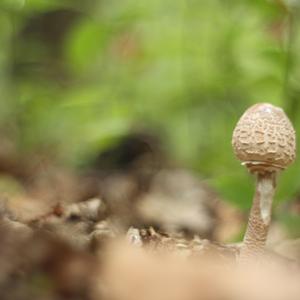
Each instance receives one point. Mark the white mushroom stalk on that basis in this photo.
(264, 140)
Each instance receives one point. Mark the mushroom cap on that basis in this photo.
(264, 139)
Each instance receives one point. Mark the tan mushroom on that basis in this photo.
(264, 140)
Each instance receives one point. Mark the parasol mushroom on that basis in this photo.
(264, 140)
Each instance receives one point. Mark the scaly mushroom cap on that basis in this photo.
(264, 139)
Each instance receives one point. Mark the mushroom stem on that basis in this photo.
(260, 216)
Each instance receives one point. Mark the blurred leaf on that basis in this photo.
(85, 44)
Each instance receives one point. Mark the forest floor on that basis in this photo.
(135, 233)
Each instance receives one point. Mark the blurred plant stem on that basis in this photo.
(14, 119)
(290, 92)
(7, 85)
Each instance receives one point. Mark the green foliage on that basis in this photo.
(77, 76)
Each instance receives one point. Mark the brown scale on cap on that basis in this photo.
(264, 138)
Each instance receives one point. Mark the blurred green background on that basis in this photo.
(75, 76)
